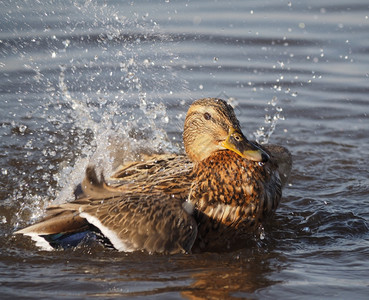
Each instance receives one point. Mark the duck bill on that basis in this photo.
(238, 143)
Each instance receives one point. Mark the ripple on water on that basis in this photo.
(106, 78)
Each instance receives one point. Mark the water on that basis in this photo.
(94, 82)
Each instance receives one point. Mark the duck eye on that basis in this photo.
(237, 137)
(207, 116)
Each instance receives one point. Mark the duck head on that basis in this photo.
(211, 125)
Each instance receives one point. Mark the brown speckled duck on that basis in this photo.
(208, 200)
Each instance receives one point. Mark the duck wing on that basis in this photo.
(155, 221)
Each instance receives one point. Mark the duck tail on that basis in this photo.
(63, 225)
(51, 232)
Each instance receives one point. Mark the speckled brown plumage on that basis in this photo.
(232, 197)
(208, 200)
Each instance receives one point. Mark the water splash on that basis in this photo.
(272, 117)
(103, 82)
(118, 134)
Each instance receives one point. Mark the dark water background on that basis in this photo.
(79, 79)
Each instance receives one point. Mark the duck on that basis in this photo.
(211, 198)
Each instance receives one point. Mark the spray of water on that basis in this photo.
(272, 116)
(105, 81)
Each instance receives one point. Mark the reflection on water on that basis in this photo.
(101, 83)
(239, 276)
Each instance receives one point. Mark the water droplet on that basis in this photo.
(66, 43)
(274, 101)
(22, 128)
(165, 119)
(306, 229)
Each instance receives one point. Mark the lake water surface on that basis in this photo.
(99, 82)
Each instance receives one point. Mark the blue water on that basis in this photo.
(101, 82)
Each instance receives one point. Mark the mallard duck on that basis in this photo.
(209, 199)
